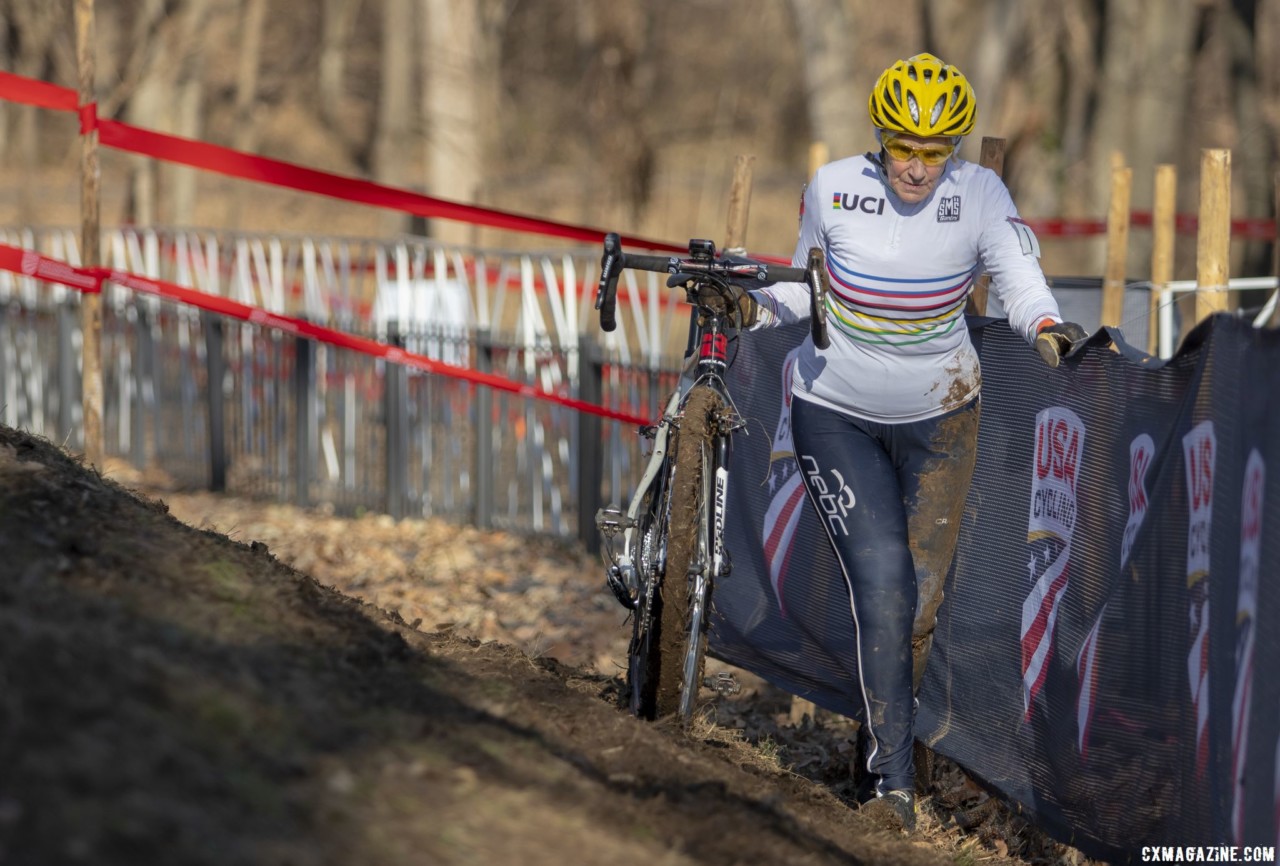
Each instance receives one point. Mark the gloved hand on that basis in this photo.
(748, 312)
(1056, 340)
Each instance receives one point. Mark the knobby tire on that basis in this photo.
(688, 548)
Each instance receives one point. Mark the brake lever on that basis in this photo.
(606, 290)
(818, 288)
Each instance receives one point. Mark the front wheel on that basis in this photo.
(686, 586)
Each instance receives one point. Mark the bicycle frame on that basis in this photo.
(676, 517)
(630, 577)
(712, 562)
(707, 370)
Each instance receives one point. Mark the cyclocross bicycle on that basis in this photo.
(664, 554)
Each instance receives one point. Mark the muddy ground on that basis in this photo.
(195, 679)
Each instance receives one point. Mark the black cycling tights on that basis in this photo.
(891, 497)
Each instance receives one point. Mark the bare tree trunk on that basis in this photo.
(983, 39)
(615, 38)
(884, 33)
(835, 100)
(337, 21)
(1159, 110)
(1032, 116)
(90, 241)
(1267, 41)
(6, 62)
(395, 106)
(1079, 38)
(1001, 35)
(1141, 101)
(254, 13)
(459, 102)
(246, 137)
(34, 22)
(1252, 154)
(189, 116)
(146, 101)
(1110, 131)
(1210, 85)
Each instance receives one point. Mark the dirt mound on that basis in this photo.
(169, 695)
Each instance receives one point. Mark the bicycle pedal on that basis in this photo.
(724, 684)
(610, 520)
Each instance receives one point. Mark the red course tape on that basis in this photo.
(224, 160)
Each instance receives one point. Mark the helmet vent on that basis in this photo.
(914, 108)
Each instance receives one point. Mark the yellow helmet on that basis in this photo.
(925, 97)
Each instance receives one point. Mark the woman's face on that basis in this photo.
(910, 178)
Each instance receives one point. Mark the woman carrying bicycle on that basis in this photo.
(887, 415)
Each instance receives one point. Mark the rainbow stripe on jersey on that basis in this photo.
(894, 311)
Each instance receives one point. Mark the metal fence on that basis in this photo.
(229, 405)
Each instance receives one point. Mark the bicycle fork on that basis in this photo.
(705, 569)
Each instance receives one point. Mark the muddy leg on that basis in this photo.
(935, 505)
(934, 509)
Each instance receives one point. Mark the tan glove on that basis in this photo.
(748, 309)
(748, 312)
(1057, 340)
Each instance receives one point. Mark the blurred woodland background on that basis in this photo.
(628, 114)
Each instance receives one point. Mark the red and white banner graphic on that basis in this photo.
(1251, 505)
(786, 491)
(1051, 524)
(1199, 447)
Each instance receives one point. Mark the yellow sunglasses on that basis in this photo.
(934, 154)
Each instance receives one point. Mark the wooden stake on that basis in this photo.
(735, 237)
(1213, 243)
(819, 155)
(1162, 233)
(991, 156)
(91, 241)
(1117, 246)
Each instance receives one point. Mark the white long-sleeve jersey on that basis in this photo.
(900, 274)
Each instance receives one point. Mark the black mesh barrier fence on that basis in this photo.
(1100, 657)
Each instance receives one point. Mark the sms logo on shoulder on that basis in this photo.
(949, 209)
